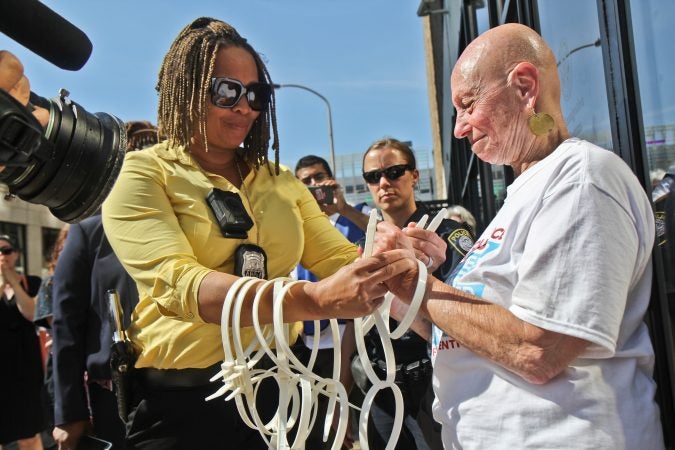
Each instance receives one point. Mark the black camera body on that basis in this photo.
(324, 195)
(233, 220)
(71, 166)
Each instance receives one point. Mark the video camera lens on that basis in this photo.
(69, 168)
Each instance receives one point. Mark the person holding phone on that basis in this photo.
(316, 174)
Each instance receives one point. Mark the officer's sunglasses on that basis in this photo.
(7, 250)
(391, 173)
(226, 93)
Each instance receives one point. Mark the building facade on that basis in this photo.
(34, 229)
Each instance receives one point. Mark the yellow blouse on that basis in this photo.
(164, 233)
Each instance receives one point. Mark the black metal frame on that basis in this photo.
(625, 112)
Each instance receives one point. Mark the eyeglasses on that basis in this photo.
(226, 93)
(7, 250)
(391, 173)
(317, 177)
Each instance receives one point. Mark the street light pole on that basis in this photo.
(330, 118)
(581, 47)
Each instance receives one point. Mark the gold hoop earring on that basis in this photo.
(540, 123)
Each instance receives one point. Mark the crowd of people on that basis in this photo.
(530, 333)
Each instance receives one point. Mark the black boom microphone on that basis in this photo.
(44, 32)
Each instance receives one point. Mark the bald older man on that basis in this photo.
(538, 337)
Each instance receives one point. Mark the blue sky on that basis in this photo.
(365, 56)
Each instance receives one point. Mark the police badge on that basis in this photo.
(461, 240)
(250, 261)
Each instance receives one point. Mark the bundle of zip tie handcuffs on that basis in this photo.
(299, 387)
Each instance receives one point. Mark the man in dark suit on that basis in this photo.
(82, 335)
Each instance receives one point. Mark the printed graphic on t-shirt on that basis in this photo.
(481, 249)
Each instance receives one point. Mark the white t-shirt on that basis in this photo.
(570, 252)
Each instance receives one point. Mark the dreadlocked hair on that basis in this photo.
(184, 87)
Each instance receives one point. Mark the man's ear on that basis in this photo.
(525, 79)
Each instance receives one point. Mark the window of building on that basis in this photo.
(651, 20)
(572, 30)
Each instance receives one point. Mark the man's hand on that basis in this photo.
(341, 207)
(338, 198)
(13, 80)
(358, 288)
(68, 435)
(390, 237)
(429, 247)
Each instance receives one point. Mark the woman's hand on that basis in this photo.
(9, 274)
(358, 288)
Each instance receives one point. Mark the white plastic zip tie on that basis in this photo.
(423, 221)
(438, 218)
(333, 387)
(388, 298)
(370, 234)
(415, 303)
(299, 387)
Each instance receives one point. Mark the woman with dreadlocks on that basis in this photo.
(192, 214)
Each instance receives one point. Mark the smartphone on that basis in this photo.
(322, 194)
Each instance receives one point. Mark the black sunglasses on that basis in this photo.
(391, 173)
(6, 250)
(226, 93)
